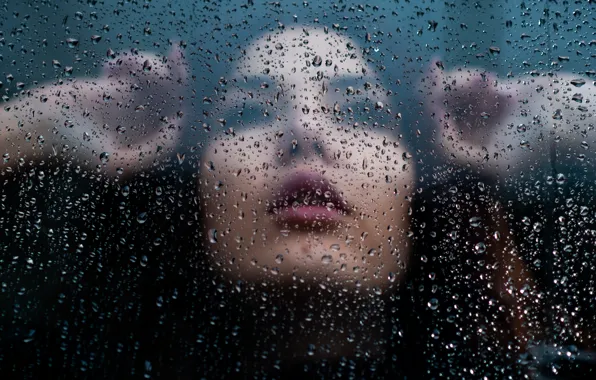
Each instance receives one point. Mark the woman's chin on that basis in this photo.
(327, 271)
(315, 219)
(308, 245)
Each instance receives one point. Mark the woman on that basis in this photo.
(307, 196)
(295, 213)
(305, 246)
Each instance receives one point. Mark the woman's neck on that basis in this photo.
(311, 324)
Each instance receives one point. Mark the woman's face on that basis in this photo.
(307, 184)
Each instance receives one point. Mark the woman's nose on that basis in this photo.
(301, 144)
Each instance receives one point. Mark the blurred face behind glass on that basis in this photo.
(308, 184)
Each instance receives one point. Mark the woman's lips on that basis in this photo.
(306, 198)
(308, 215)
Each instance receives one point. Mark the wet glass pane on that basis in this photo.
(313, 189)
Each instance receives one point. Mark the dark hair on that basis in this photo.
(470, 273)
(142, 295)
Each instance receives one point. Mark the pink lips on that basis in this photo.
(308, 197)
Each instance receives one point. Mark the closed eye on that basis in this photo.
(255, 113)
(248, 114)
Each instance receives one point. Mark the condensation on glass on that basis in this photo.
(325, 189)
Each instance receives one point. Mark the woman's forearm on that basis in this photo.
(125, 119)
(25, 128)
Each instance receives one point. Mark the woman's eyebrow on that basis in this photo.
(342, 83)
(255, 81)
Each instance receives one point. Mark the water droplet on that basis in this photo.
(212, 236)
(578, 82)
(480, 248)
(72, 42)
(433, 304)
(537, 227)
(475, 221)
(317, 61)
(336, 108)
(578, 98)
(326, 259)
(29, 337)
(435, 334)
(104, 157)
(142, 217)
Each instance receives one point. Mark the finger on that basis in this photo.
(178, 63)
(432, 86)
(127, 64)
(436, 71)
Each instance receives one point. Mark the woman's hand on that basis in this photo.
(507, 127)
(120, 122)
(468, 105)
